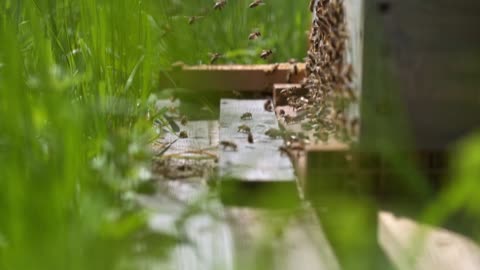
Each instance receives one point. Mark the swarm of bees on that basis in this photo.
(329, 76)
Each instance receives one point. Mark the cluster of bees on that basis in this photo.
(218, 6)
(329, 76)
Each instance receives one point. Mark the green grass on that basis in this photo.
(76, 115)
(76, 118)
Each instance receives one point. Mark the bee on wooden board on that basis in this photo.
(273, 133)
(250, 137)
(265, 54)
(183, 134)
(256, 3)
(220, 4)
(246, 116)
(268, 106)
(228, 145)
(214, 57)
(254, 35)
(243, 129)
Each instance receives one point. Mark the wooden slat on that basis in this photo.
(251, 78)
(219, 237)
(412, 246)
(260, 161)
(280, 240)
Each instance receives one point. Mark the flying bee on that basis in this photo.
(220, 4)
(243, 129)
(184, 121)
(228, 145)
(273, 133)
(268, 105)
(246, 116)
(193, 19)
(265, 54)
(254, 35)
(256, 3)
(250, 137)
(183, 134)
(214, 57)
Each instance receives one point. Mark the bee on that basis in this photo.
(243, 129)
(268, 105)
(281, 112)
(254, 35)
(177, 65)
(246, 116)
(273, 133)
(214, 57)
(226, 145)
(273, 69)
(183, 134)
(289, 77)
(220, 4)
(256, 3)
(184, 121)
(283, 150)
(250, 137)
(193, 19)
(236, 93)
(265, 54)
(312, 5)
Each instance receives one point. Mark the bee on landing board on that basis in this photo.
(228, 145)
(243, 129)
(246, 116)
(250, 137)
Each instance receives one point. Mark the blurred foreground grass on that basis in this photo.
(76, 115)
(77, 112)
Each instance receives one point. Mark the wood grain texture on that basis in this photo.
(250, 78)
(412, 246)
(260, 161)
(190, 157)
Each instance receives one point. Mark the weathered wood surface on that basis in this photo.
(190, 157)
(251, 78)
(412, 246)
(283, 240)
(431, 49)
(355, 24)
(260, 161)
(219, 237)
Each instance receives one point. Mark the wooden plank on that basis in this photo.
(219, 237)
(412, 246)
(250, 78)
(258, 161)
(280, 240)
